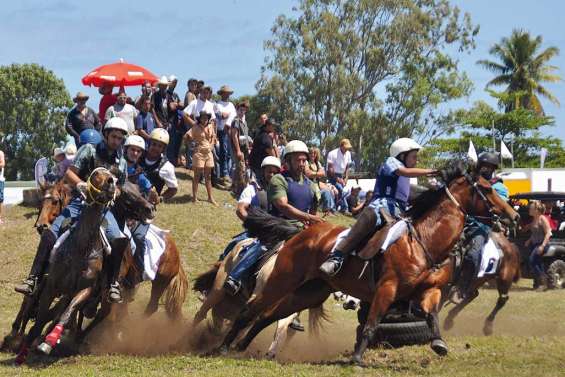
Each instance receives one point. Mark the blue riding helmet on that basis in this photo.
(89, 136)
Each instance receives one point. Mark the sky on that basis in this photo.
(221, 41)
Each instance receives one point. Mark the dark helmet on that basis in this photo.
(489, 158)
(89, 136)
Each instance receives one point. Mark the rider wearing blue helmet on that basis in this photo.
(89, 136)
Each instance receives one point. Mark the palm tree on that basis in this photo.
(523, 69)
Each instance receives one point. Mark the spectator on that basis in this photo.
(160, 103)
(146, 93)
(192, 111)
(281, 144)
(540, 233)
(262, 146)
(203, 133)
(199, 86)
(368, 198)
(239, 134)
(2, 182)
(124, 110)
(144, 122)
(47, 170)
(81, 117)
(316, 173)
(338, 165)
(225, 114)
(108, 99)
(191, 92)
(177, 127)
(354, 205)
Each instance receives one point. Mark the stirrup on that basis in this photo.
(114, 294)
(332, 266)
(232, 286)
(28, 286)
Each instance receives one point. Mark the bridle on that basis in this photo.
(48, 195)
(476, 192)
(94, 195)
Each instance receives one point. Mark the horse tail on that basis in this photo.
(175, 295)
(316, 317)
(205, 281)
(267, 228)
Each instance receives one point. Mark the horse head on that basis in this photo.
(475, 196)
(133, 205)
(101, 187)
(55, 198)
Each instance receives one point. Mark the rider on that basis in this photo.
(157, 167)
(391, 192)
(476, 232)
(89, 136)
(107, 154)
(291, 195)
(254, 195)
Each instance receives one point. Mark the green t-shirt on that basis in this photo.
(278, 188)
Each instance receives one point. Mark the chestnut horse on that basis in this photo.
(508, 272)
(412, 268)
(55, 198)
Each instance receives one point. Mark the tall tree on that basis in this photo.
(372, 70)
(33, 104)
(522, 67)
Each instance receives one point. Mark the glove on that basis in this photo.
(82, 187)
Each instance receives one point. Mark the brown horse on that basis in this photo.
(412, 268)
(75, 272)
(508, 272)
(55, 198)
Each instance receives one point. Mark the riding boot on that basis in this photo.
(118, 246)
(365, 225)
(40, 263)
(466, 281)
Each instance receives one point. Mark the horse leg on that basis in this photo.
(503, 288)
(282, 334)
(54, 335)
(104, 311)
(362, 315)
(384, 296)
(450, 319)
(158, 286)
(430, 304)
(18, 326)
(310, 295)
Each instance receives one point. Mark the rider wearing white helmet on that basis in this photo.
(107, 154)
(391, 192)
(157, 167)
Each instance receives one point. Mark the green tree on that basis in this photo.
(522, 67)
(371, 70)
(33, 104)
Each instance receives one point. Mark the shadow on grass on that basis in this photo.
(183, 174)
(186, 198)
(34, 361)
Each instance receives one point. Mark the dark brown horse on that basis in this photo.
(75, 272)
(412, 268)
(508, 272)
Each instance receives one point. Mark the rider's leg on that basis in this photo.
(472, 261)
(367, 222)
(118, 244)
(237, 239)
(139, 233)
(46, 243)
(240, 270)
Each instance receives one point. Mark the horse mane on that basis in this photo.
(267, 228)
(431, 197)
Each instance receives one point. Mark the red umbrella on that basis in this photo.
(119, 74)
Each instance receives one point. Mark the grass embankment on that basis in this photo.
(529, 335)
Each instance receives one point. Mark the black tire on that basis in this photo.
(400, 334)
(556, 274)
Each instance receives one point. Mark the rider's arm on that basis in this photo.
(292, 213)
(414, 172)
(71, 176)
(241, 210)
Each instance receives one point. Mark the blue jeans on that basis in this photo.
(479, 237)
(173, 148)
(327, 200)
(73, 210)
(251, 256)
(224, 153)
(138, 235)
(536, 262)
(234, 241)
(340, 205)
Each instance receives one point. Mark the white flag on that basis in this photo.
(472, 153)
(542, 155)
(504, 152)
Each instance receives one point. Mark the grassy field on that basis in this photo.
(528, 340)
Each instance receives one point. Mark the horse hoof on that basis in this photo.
(45, 348)
(357, 359)
(439, 347)
(220, 351)
(448, 324)
(270, 356)
(487, 329)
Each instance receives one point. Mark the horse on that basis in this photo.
(508, 272)
(226, 308)
(411, 268)
(74, 275)
(55, 198)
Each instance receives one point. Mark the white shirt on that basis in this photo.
(224, 107)
(196, 106)
(41, 168)
(127, 112)
(247, 195)
(339, 161)
(167, 173)
(2, 178)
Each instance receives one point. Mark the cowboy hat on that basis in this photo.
(80, 95)
(163, 81)
(70, 151)
(345, 143)
(172, 78)
(225, 89)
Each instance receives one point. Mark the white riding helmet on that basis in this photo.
(271, 161)
(116, 123)
(160, 134)
(402, 145)
(136, 141)
(295, 146)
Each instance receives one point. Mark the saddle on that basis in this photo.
(376, 241)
